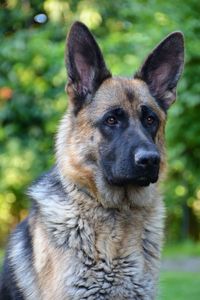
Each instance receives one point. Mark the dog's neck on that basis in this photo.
(56, 207)
(117, 197)
(78, 224)
(131, 196)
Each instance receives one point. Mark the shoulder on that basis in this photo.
(47, 186)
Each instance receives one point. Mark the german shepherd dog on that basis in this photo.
(95, 229)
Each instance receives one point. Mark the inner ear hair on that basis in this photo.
(85, 64)
(162, 69)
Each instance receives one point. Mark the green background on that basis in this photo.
(32, 97)
(32, 101)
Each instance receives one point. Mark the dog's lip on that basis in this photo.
(143, 181)
(136, 181)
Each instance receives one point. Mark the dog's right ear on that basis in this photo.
(85, 65)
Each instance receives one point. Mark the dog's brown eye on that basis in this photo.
(150, 120)
(111, 120)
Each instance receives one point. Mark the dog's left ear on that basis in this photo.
(162, 69)
(85, 64)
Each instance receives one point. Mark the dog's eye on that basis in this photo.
(111, 120)
(150, 120)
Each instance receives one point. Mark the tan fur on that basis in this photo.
(112, 240)
(74, 141)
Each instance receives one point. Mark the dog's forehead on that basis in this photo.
(128, 94)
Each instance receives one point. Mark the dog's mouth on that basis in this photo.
(144, 181)
(141, 181)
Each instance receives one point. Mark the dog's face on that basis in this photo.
(128, 124)
(112, 140)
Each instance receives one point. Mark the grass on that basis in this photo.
(180, 250)
(179, 286)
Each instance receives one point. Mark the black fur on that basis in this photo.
(134, 144)
(9, 289)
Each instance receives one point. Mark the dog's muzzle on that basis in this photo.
(142, 171)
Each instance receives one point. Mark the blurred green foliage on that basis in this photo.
(32, 97)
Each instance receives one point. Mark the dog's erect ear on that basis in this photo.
(162, 69)
(85, 64)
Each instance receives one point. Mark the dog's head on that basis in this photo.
(111, 142)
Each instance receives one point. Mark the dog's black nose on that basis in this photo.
(147, 159)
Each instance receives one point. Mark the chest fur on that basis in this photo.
(111, 255)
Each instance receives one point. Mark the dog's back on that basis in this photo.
(95, 229)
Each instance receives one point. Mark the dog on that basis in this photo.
(95, 229)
